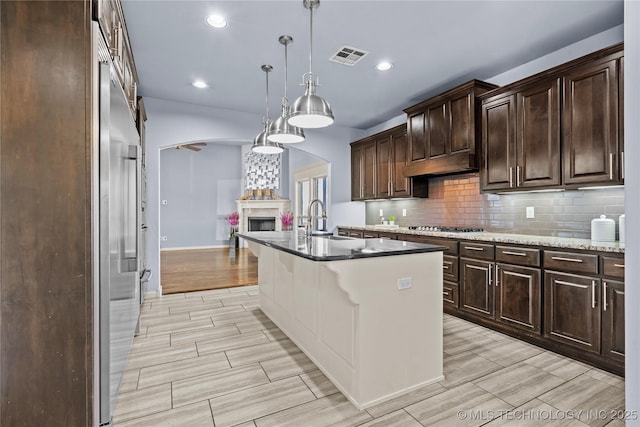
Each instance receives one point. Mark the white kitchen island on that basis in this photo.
(367, 312)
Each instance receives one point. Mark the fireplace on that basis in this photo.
(260, 209)
(262, 223)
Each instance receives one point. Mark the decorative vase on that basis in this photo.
(233, 243)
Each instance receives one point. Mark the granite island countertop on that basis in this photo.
(335, 248)
(519, 239)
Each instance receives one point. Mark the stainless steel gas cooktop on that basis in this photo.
(445, 228)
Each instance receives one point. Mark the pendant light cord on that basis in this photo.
(266, 119)
(310, 41)
(286, 75)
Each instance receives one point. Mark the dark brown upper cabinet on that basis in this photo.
(363, 169)
(444, 131)
(377, 167)
(590, 123)
(557, 129)
(521, 138)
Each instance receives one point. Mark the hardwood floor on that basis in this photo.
(204, 269)
(212, 358)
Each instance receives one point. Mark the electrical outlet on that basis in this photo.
(404, 212)
(163, 238)
(405, 283)
(381, 214)
(530, 212)
(164, 202)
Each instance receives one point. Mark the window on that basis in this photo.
(312, 183)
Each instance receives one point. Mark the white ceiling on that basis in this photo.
(434, 45)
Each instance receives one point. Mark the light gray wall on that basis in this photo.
(604, 39)
(632, 200)
(200, 189)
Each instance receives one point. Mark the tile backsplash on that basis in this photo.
(457, 201)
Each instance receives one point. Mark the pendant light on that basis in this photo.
(310, 110)
(261, 144)
(280, 130)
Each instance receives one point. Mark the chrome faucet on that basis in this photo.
(309, 227)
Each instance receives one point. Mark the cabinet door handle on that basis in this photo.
(445, 266)
(510, 177)
(622, 163)
(517, 176)
(593, 294)
(619, 265)
(514, 253)
(490, 271)
(604, 296)
(559, 258)
(610, 166)
(445, 293)
(473, 248)
(497, 275)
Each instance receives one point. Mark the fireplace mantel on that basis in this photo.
(261, 208)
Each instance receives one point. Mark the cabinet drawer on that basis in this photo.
(477, 250)
(369, 234)
(450, 294)
(612, 266)
(343, 232)
(518, 255)
(355, 233)
(450, 268)
(384, 235)
(570, 261)
(451, 245)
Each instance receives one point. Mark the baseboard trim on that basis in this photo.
(189, 248)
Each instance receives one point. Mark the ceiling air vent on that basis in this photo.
(348, 55)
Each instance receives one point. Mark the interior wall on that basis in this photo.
(632, 194)
(171, 123)
(200, 190)
(457, 201)
(599, 41)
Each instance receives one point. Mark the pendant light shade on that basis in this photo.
(310, 110)
(260, 143)
(281, 130)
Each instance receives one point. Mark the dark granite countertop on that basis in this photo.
(335, 248)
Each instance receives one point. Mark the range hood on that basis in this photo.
(445, 165)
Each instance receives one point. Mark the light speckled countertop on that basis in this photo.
(519, 239)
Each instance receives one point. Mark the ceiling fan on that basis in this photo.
(193, 146)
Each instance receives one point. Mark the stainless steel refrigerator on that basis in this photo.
(119, 225)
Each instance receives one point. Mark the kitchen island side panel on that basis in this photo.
(373, 340)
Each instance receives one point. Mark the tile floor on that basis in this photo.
(212, 358)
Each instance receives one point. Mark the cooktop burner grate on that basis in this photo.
(445, 228)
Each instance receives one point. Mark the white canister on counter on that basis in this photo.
(621, 228)
(603, 229)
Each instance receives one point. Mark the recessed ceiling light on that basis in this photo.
(384, 66)
(217, 21)
(200, 84)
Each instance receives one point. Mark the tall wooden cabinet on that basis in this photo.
(47, 155)
(521, 138)
(364, 170)
(591, 150)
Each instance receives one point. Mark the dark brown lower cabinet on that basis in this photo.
(613, 319)
(518, 292)
(572, 310)
(477, 290)
(450, 296)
